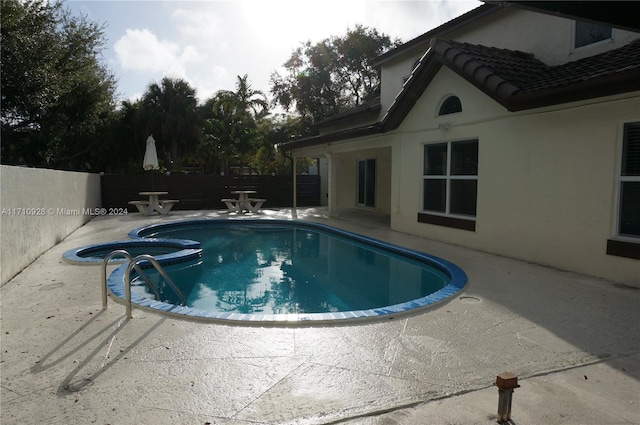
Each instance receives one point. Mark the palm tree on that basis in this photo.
(237, 113)
(245, 99)
(170, 110)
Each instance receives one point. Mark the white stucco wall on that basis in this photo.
(347, 178)
(546, 178)
(323, 169)
(548, 37)
(39, 209)
(343, 157)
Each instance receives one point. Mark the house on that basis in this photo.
(507, 130)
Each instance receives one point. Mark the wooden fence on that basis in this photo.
(200, 192)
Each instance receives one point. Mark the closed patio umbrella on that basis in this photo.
(150, 155)
(150, 161)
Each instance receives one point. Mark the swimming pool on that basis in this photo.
(290, 271)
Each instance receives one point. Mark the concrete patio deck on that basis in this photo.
(573, 341)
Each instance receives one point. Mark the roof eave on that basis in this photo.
(332, 137)
(360, 111)
(410, 93)
(617, 14)
(452, 25)
(505, 93)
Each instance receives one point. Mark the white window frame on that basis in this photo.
(448, 178)
(620, 180)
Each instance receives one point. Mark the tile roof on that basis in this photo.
(529, 74)
(500, 70)
(369, 108)
(623, 59)
(515, 79)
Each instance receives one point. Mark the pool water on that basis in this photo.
(285, 269)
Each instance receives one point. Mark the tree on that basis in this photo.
(232, 118)
(57, 98)
(333, 75)
(267, 159)
(170, 112)
(123, 150)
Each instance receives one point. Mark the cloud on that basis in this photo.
(202, 23)
(209, 43)
(140, 50)
(212, 79)
(409, 19)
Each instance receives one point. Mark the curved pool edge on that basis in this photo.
(412, 307)
(184, 250)
(458, 282)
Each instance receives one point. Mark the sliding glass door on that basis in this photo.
(367, 183)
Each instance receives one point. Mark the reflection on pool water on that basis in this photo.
(285, 270)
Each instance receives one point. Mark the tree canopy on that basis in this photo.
(232, 119)
(59, 108)
(57, 98)
(328, 77)
(169, 112)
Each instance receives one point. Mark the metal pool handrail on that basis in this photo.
(129, 257)
(133, 263)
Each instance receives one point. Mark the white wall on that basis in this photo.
(548, 37)
(546, 179)
(323, 169)
(347, 178)
(344, 156)
(39, 209)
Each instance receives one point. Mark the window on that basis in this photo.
(367, 182)
(629, 196)
(627, 235)
(587, 33)
(451, 105)
(450, 181)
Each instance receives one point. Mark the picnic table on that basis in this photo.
(154, 203)
(244, 202)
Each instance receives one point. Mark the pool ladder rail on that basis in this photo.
(134, 263)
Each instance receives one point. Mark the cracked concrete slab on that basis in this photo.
(573, 341)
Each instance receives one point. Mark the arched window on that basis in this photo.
(451, 105)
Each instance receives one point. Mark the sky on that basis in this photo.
(211, 42)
